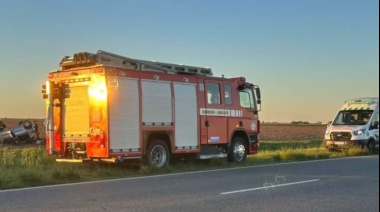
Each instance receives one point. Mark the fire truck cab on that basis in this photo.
(107, 107)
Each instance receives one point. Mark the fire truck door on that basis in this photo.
(216, 115)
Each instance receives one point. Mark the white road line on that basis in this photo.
(271, 186)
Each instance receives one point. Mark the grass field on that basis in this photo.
(27, 167)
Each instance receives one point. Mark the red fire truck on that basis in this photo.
(107, 107)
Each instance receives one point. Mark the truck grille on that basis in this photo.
(340, 136)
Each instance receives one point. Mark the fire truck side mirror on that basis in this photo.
(258, 93)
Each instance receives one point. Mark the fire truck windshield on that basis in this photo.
(247, 99)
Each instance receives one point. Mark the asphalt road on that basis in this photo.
(349, 184)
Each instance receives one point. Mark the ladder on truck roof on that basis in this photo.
(110, 59)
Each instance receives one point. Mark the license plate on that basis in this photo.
(339, 143)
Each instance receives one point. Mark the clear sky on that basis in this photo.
(308, 56)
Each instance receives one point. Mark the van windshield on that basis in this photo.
(353, 117)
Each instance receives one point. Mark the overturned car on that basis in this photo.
(25, 132)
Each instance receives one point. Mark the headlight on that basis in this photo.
(359, 132)
(327, 132)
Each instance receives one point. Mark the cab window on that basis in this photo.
(227, 94)
(213, 93)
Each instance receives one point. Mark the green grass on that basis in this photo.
(279, 145)
(31, 167)
(300, 151)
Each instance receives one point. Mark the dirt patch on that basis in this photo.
(292, 132)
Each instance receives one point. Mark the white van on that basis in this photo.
(357, 123)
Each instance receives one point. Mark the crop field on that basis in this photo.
(269, 132)
(292, 132)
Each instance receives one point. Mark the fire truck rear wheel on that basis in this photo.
(158, 154)
(238, 150)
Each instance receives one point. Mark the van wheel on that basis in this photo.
(158, 154)
(371, 146)
(238, 150)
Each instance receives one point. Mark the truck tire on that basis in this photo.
(27, 124)
(158, 154)
(238, 151)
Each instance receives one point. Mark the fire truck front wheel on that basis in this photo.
(158, 154)
(238, 150)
